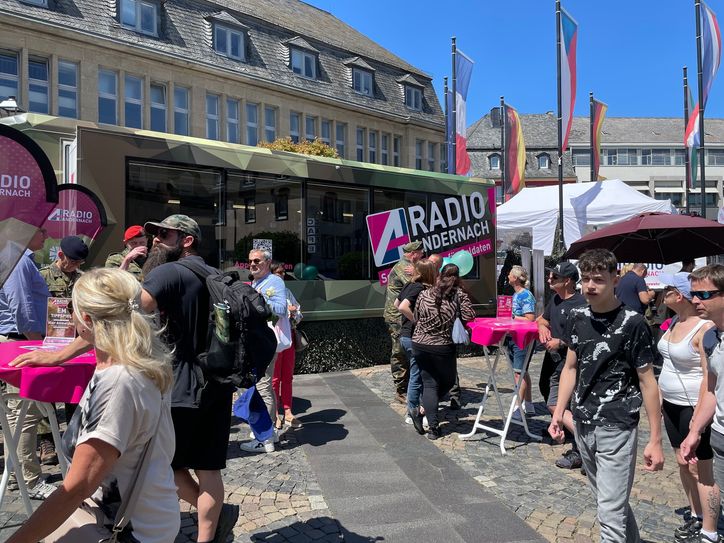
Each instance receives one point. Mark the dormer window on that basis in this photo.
(41, 3)
(494, 160)
(139, 15)
(362, 81)
(413, 97)
(228, 41)
(544, 161)
(304, 63)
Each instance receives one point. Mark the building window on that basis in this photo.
(362, 81)
(396, 144)
(443, 158)
(181, 111)
(133, 101)
(418, 154)
(38, 85)
(431, 152)
(581, 157)
(252, 124)
(158, 107)
(270, 124)
(295, 119)
(8, 75)
(232, 121)
(620, 157)
(140, 16)
(544, 161)
(107, 97)
(310, 128)
(281, 204)
(249, 210)
(326, 133)
(212, 117)
(413, 98)
(655, 157)
(360, 144)
(68, 89)
(679, 157)
(711, 199)
(304, 63)
(341, 138)
(384, 149)
(228, 42)
(373, 147)
(715, 157)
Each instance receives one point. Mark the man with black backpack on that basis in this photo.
(200, 407)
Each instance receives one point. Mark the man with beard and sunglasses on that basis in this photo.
(201, 409)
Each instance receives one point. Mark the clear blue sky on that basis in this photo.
(630, 52)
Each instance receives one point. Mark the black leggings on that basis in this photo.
(438, 372)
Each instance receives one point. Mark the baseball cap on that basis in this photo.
(183, 223)
(565, 269)
(680, 281)
(412, 246)
(74, 248)
(133, 232)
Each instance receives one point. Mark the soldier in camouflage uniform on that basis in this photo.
(399, 276)
(62, 274)
(134, 255)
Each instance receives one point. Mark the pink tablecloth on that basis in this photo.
(64, 383)
(487, 331)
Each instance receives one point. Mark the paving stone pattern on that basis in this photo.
(558, 503)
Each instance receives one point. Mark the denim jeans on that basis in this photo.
(414, 386)
(609, 456)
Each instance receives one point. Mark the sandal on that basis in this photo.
(279, 424)
(292, 421)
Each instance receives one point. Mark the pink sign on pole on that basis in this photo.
(28, 193)
(505, 307)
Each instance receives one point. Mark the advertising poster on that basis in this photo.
(28, 193)
(79, 213)
(60, 329)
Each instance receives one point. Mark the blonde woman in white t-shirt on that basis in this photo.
(683, 378)
(123, 406)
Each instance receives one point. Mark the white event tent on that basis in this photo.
(586, 206)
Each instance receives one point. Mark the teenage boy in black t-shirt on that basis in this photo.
(612, 350)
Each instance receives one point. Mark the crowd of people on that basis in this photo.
(146, 315)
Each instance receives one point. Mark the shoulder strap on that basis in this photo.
(125, 511)
(201, 271)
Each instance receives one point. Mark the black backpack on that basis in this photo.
(242, 360)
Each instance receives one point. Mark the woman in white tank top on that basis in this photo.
(683, 375)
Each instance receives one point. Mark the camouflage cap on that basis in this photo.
(412, 246)
(183, 223)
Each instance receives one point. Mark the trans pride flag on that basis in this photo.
(569, 36)
(463, 70)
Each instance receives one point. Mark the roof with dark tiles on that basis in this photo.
(644, 130)
(184, 31)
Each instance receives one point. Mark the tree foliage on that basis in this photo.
(305, 147)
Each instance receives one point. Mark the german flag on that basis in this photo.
(514, 154)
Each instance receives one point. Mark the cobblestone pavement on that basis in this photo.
(556, 502)
(280, 500)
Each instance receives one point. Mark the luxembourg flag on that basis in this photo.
(463, 71)
(711, 46)
(569, 36)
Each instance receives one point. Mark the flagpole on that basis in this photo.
(454, 101)
(503, 153)
(561, 243)
(592, 108)
(700, 79)
(687, 165)
(447, 126)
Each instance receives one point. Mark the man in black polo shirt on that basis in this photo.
(632, 289)
(551, 326)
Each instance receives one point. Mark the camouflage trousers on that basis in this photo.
(399, 364)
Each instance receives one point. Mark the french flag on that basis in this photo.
(569, 37)
(463, 71)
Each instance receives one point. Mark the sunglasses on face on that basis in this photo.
(555, 277)
(163, 233)
(256, 260)
(704, 294)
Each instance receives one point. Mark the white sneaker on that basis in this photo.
(255, 446)
(425, 424)
(408, 419)
(41, 490)
(275, 439)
